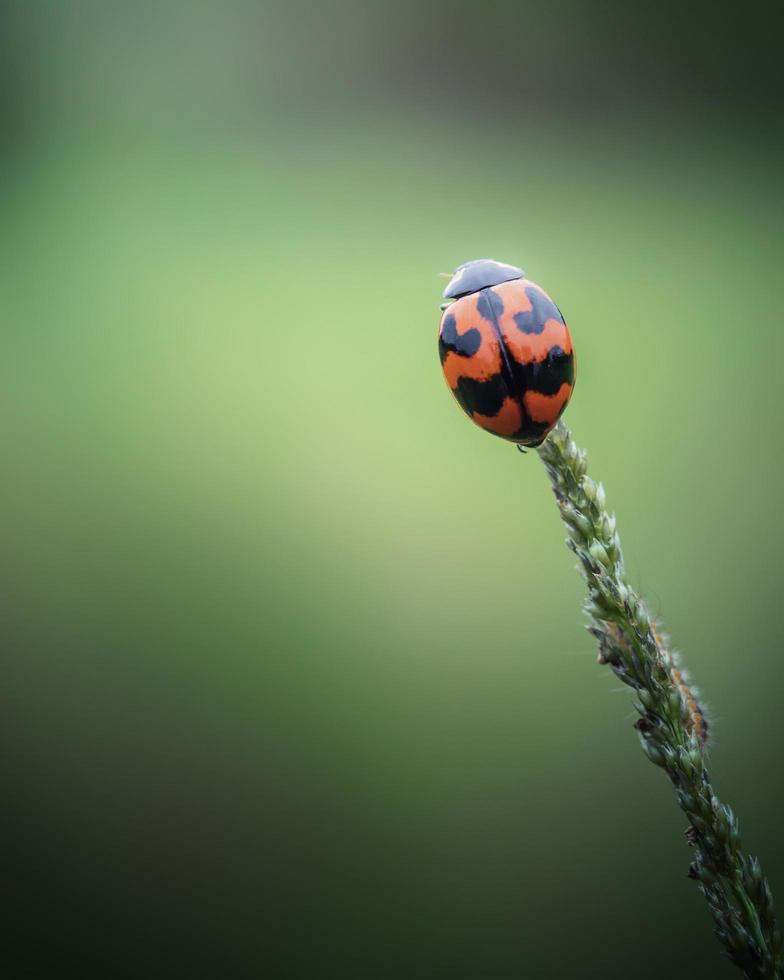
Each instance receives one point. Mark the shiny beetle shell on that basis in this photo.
(506, 352)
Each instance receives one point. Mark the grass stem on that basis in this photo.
(672, 726)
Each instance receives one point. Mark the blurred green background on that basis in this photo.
(296, 683)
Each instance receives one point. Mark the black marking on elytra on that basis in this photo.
(490, 306)
(482, 397)
(545, 376)
(531, 433)
(465, 344)
(542, 310)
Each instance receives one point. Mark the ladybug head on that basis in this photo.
(478, 274)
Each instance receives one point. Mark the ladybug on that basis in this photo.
(506, 351)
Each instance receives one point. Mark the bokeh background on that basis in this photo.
(295, 678)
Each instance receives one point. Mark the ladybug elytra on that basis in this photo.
(506, 351)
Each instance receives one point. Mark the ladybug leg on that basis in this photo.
(521, 449)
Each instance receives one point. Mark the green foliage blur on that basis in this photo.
(296, 682)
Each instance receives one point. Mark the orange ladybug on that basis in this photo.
(506, 351)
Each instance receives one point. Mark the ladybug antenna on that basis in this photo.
(446, 275)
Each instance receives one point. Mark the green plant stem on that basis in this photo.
(672, 726)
